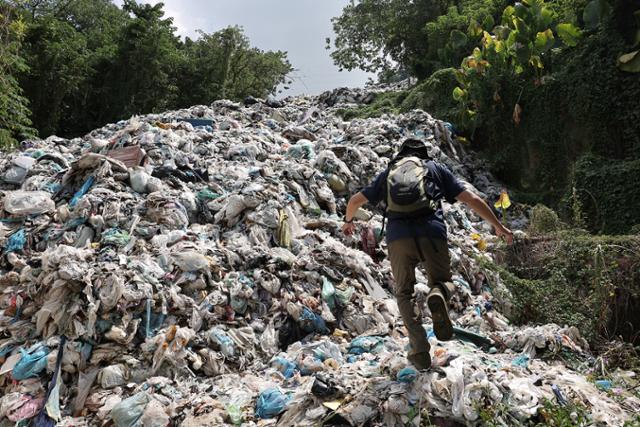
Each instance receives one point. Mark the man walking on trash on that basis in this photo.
(411, 189)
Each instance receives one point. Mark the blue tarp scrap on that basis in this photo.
(82, 191)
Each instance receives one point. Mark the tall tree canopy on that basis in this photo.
(69, 66)
(416, 36)
(14, 112)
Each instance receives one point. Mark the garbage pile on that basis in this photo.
(188, 268)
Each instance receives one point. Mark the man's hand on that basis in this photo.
(348, 228)
(504, 233)
(481, 208)
(355, 202)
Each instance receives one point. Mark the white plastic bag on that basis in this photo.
(28, 202)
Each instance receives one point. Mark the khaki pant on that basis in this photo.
(405, 257)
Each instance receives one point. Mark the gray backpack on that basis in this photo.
(407, 195)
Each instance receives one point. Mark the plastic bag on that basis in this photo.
(225, 343)
(138, 178)
(82, 191)
(85, 381)
(521, 361)
(190, 261)
(31, 363)
(284, 230)
(456, 378)
(18, 172)
(112, 376)
(368, 344)
(269, 340)
(271, 403)
(311, 322)
(344, 296)
(206, 194)
(116, 237)
(28, 202)
(234, 407)
(128, 412)
(16, 242)
(287, 368)
(328, 292)
(407, 375)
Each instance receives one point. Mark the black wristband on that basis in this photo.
(348, 222)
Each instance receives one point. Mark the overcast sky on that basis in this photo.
(299, 27)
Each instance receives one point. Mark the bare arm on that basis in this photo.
(480, 207)
(355, 202)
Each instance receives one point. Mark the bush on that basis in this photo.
(576, 279)
(543, 220)
(434, 95)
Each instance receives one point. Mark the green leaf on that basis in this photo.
(474, 30)
(511, 40)
(595, 12)
(521, 26)
(507, 14)
(630, 62)
(521, 11)
(460, 77)
(458, 94)
(488, 23)
(536, 62)
(544, 40)
(569, 34)
(546, 17)
(458, 38)
(477, 53)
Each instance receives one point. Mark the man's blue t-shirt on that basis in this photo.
(447, 187)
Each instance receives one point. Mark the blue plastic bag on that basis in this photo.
(82, 191)
(371, 344)
(31, 363)
(407, 375)
(16, 241)
(287, 368)
(225, 343)
(271, 403)
(521, 361)
(311, 322)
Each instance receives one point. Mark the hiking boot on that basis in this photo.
(420, 361)
(439, 308)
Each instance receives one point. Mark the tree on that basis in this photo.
(142, 78)
(14, 107)
(224, 65)
(378, 35)
(418, 37)
(84, 63)
(57, 55)
(515, 50)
